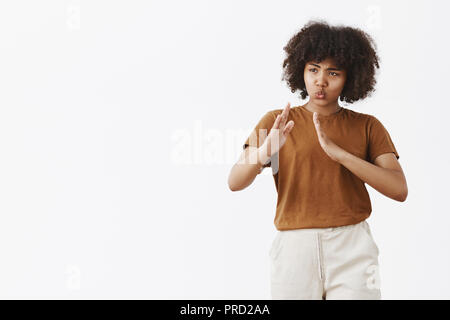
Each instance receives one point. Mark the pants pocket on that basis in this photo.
(276, 246)
(368, 234)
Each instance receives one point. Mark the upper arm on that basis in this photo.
(379, 141)
(388, 161)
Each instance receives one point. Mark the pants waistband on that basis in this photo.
(323, 230)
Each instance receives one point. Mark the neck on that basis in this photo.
(324, 110)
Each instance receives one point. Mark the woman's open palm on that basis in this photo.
(276, 138)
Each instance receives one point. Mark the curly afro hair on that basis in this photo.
(351, 49)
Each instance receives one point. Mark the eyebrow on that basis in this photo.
(316, 65)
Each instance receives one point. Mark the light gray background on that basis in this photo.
(120, 122)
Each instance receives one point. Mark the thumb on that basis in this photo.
(288, 127)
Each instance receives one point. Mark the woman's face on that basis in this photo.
(324, 81)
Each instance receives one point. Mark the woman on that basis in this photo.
(321, 155)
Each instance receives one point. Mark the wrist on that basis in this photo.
(263, 156)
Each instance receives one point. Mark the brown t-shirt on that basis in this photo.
(313, 190)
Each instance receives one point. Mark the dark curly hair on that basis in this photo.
(351, 49)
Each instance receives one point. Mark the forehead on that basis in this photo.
(328, 62)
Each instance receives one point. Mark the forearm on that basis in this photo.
(247, 168)
(389, 182)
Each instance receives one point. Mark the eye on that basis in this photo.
(335, 74)
(312, 69)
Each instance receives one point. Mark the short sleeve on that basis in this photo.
(379, 140)
(260, 132)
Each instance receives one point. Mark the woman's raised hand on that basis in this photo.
(276, 138)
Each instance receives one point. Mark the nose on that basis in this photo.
(321, 79)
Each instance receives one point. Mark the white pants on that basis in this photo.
(325, 263)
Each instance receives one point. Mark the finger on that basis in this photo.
(276, 124)
(285, 115)
(288, 127)
(319, 131)
(316, 119)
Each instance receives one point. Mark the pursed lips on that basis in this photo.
(320, 93)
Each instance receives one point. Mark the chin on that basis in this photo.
(321, 101)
